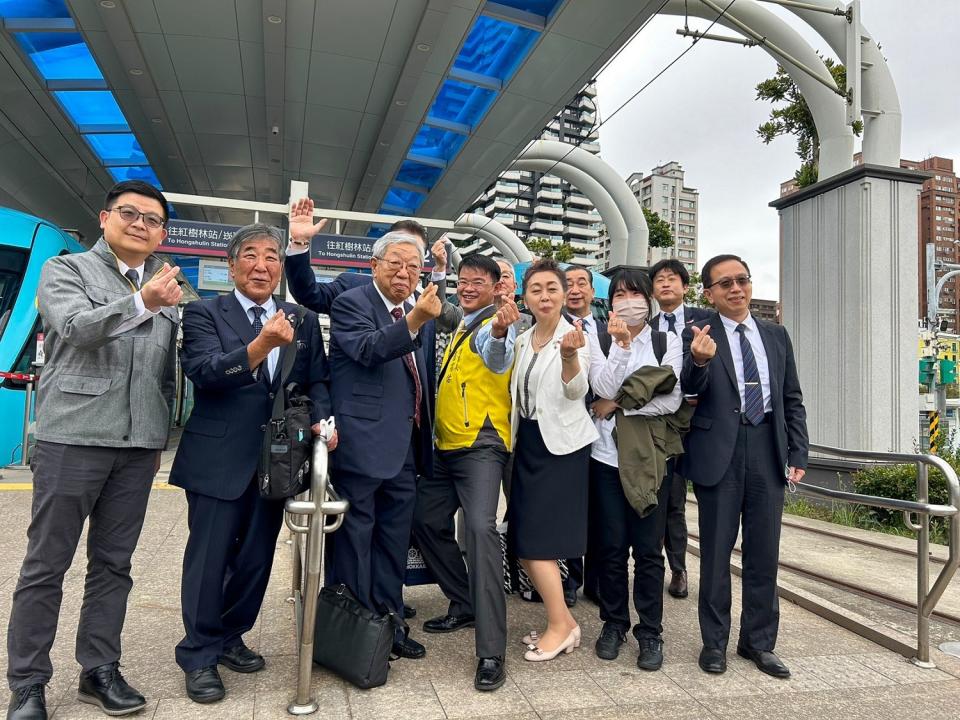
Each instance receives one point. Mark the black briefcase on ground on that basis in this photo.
(284, 467)
(350, 640)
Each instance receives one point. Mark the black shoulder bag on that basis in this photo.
(470, 330)
(284, 468)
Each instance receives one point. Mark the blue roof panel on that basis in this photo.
(436, 143)
(416, 173)
(33, 9)
(141, 172)
(462, 103)
(495, 48)
(117, 148)
(403, 199)
(91, 107)
(60, 55)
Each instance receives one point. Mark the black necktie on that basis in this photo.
(671, 322)
(752, 391)
(257, 327)
(134, 277)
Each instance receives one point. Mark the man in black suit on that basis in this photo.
(579, 304)
(383, 398)
(748, 439)
(670, 283)
(233, 352)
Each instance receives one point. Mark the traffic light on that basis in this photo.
(928, 372)
(948, 372)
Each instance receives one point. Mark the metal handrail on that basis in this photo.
(927, 597)
(307, 572)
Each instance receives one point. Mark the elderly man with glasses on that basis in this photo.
(383, 400)
(103, 416)
(747, 441)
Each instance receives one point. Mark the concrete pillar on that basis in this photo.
(849, 296)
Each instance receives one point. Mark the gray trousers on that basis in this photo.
(675, 538)
(468, 479)
(111, 486)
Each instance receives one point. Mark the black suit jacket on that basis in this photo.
(713, 429)
(371, 386)
(221, 442)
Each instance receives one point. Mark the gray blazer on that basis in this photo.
(96, 389)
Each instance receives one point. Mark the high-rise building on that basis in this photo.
(535, 205)
(766, 309)
(664, 192)
(939, 207)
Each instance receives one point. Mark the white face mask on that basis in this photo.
(633, 311)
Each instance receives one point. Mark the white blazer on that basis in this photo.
(562, 414)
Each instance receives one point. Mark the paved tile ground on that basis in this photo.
(835, 674)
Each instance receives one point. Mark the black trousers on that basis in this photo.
(368, 553)
(71, 483)
(226, 568)
(625, 530)
(468, 479)
(751, 493)
(675, 538)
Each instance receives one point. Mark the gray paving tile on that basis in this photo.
(841, 671)
(230, 708)
(687, 709)
(901, 670)
(801, 679)
(635, 686)
(83, 711)
(554, 691)
(703, 686)
(397, 700)
(332, 702)
(459, 699)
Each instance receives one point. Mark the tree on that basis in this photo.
(661, 235)
(694, 293)
(544, 248)
(795, 118)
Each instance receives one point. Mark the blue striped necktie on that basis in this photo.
(752, 391)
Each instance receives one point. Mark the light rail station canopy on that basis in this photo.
(406, 107)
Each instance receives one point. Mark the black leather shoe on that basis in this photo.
(766, 662)
(407, 647)
(449, 623)
(28, 703)
(678, 584)
(651, 653)
(570, 596)
(713, 660)
(490, 674)
(204, 685)
(242, 659)
(409, 612)
(105, 687)
(609, 642)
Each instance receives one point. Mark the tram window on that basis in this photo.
(13, 264)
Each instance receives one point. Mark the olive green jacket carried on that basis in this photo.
(646, 442)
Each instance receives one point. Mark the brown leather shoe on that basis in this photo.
(678, 584)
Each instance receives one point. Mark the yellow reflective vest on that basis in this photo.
(473, 402)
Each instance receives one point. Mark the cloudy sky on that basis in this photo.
(702, 112)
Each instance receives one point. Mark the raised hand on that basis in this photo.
(439, 252)
(427, 308)
(617, 327)
(506, 316)
(162, 289)
(301, 226)
(573, 341)
(277, 331)
(702, 347)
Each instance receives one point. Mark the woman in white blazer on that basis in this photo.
(551, 436)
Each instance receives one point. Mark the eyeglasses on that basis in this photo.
(477, 284)
(727, 283)
(396, 265)
(130, 214)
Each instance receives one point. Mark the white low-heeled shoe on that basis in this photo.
(532, 638)
(535, 654)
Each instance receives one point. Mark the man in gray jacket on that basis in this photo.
(103, 415)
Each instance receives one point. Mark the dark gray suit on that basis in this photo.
(738, 472)
(103, 415)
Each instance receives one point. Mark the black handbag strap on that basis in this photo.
(289, 358)
(470, 330)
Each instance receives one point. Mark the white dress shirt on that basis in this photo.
(678, 323)
(143, 314)
(759, 353)
(270, 309)
(608, 373)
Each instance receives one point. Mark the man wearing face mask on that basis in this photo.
(636, 347)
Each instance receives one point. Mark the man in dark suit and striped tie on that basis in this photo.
(748, 439)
